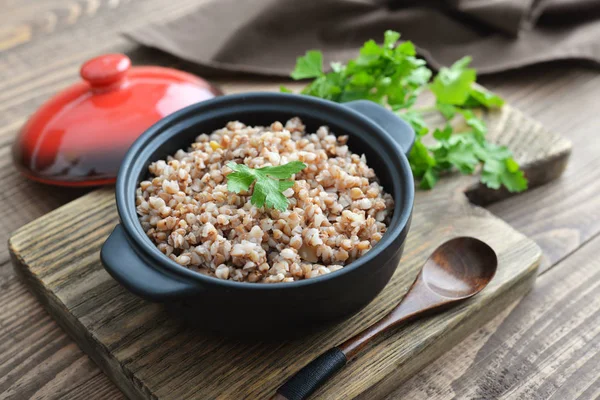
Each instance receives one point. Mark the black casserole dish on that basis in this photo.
(240, 307)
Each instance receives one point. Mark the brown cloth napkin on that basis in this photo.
(266, 36)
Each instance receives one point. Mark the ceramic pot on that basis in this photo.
(252, 308)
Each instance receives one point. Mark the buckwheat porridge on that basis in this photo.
(336, 212)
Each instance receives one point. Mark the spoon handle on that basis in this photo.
(312, 376)
(317, 372)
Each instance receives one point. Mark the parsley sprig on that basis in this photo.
(269, 182)
(393, 76)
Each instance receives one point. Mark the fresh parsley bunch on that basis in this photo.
(393, 76)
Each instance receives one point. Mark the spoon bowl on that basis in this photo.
(460, 268)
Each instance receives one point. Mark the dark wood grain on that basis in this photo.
(149, 355)
(64, 272)
(37, 359)
(560, 216)
(564, 214)
(546, 347)
(42, 44)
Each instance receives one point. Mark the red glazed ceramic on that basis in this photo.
(80, 136)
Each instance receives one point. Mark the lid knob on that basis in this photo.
(105, 70)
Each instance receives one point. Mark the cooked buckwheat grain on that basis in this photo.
(337, 210)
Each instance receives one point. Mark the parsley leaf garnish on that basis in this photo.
(479, 96)
(453, 85)
(311, 66)
(269, 182)
(392, 75)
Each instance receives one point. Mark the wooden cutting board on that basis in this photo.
(151, 355)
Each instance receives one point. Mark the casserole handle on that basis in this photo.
(396, 127)
(130, 270)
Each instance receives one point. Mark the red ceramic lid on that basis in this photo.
(80, 136)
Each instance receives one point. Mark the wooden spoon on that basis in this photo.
(457, 270)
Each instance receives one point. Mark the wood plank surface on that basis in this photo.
(150, 355)
(122, 333)
(34, 66)
(546, 347)
(564, 214)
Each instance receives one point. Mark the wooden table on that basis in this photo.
(547, 346)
